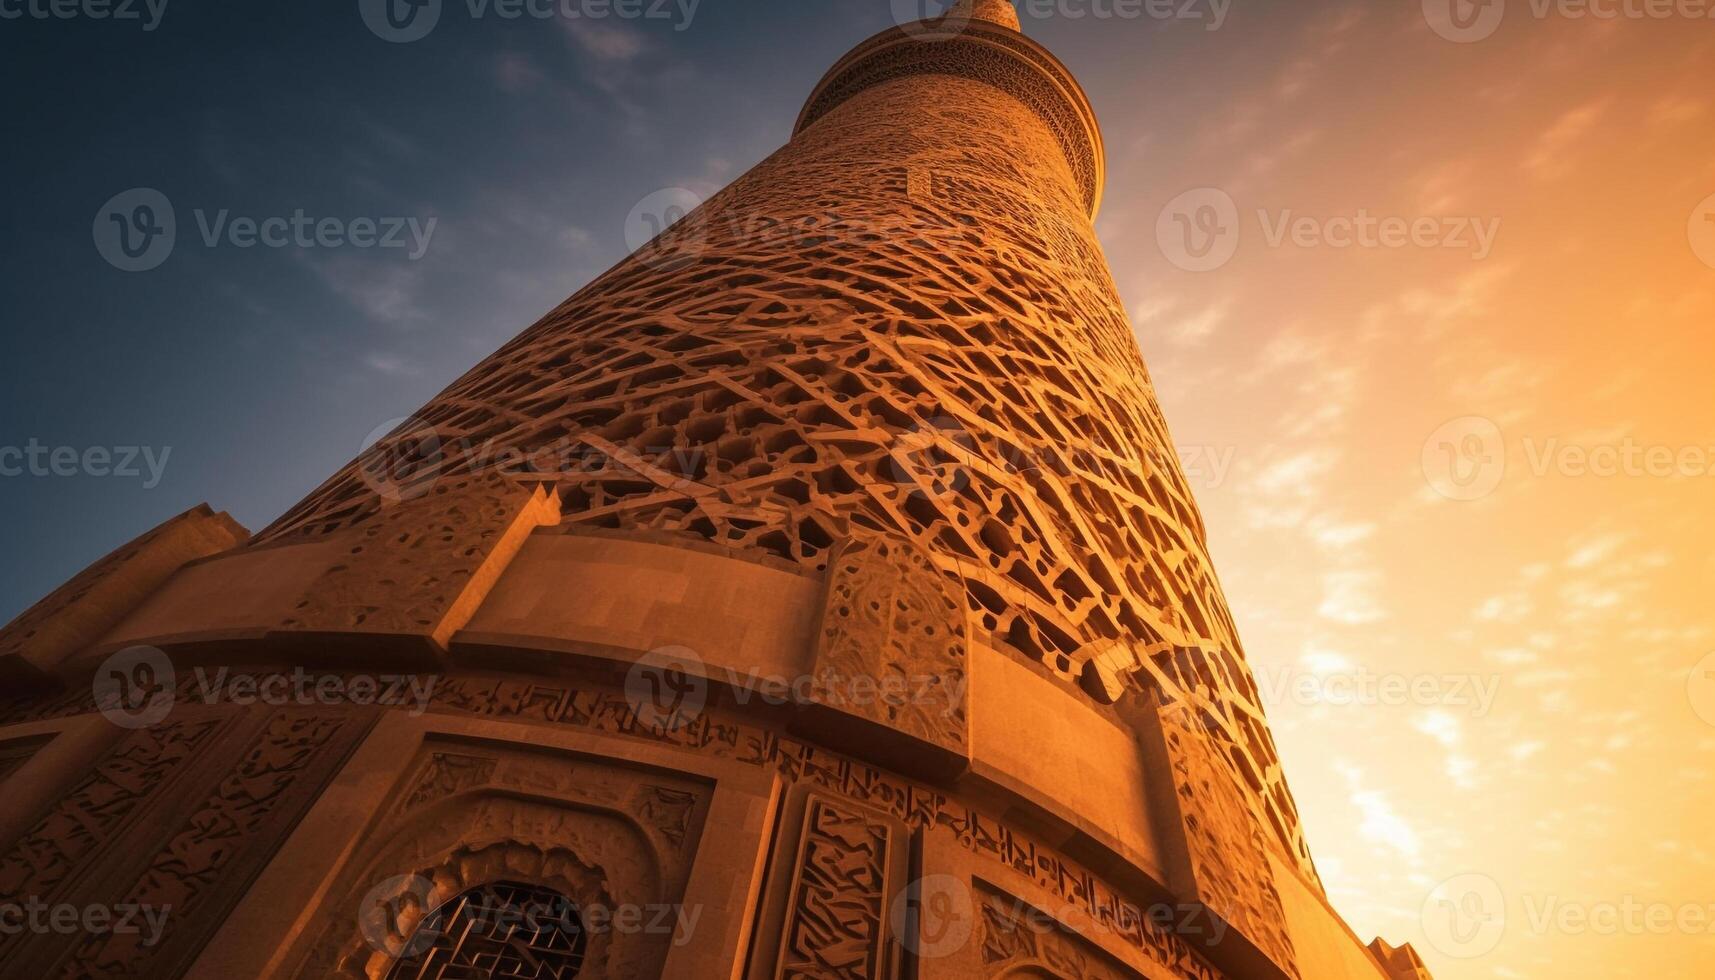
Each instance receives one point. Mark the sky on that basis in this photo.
(1428, 293)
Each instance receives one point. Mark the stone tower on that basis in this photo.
(816, 594)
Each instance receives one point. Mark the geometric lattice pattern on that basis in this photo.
(901, 322)
(498, 932)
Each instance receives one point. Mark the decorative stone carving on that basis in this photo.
(1218, 850)
(837, 912)
(826, 912)
(180, 815)
(601, 834)
(203, 869)
(15, 753)
(893, 652)
(1021, 942)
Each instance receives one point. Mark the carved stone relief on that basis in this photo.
(607, 837)
(892, 648)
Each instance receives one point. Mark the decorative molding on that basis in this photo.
(893, 653)
(1220, 850)
(201, 871)
(78, 613)
(837, 910)
(421, 567)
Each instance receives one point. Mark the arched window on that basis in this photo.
(501, 931)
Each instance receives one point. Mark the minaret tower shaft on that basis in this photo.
(826, 567)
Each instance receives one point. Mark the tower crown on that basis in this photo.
(979, 40)
(1000, 12)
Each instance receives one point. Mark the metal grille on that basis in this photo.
(504, 930)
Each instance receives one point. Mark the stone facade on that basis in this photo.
(814, 595)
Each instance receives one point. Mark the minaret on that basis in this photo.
(817, 593)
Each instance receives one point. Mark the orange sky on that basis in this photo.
(1478, 476)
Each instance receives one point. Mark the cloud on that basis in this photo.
(606, 42)
(1348, 597)
(1554, 156)
(385, 291)
(516, 73)
(1382, 825)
